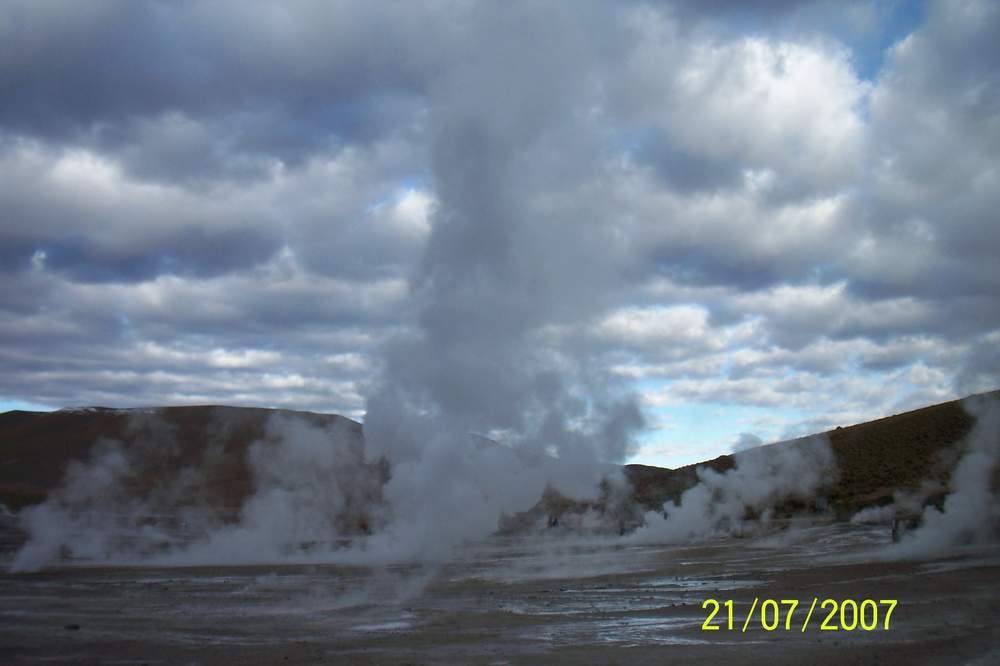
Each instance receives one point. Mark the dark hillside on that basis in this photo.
(904, 451)
(37, 447)
(899, 452)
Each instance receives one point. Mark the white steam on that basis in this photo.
(314, 497)
(311, 488)
(971, 512)
(313, 492)
(744, 497)
(518, 261)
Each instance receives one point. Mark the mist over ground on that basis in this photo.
(312, 491)
(133, 554)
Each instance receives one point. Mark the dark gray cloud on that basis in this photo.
(505, 214)
(73, 212)
(932, 194)
(318, 67)
(684, 170)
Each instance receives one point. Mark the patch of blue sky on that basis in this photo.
(896, 20)
(413, 183)
(689, 432)
(8, 405)
(868, 28)
(396, 194)
(630, 139)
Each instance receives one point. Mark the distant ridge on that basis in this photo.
(36, 447)
(898, 452)
(902, 451)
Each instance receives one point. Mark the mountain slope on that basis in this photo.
(901, 452)
(874, 459)
(36, 448)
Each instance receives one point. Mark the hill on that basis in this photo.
(36, 448)
(907, 451)
(912, 451)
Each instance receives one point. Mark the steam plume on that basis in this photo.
(971, 512)
(516, 258)
(721, 502)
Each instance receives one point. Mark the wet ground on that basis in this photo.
(519, 601)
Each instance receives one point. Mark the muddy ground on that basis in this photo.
(535, 601)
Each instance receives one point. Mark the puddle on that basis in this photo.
(704, 583)
(624, 631)
(399, 625)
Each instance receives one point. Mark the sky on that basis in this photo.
(754, 222)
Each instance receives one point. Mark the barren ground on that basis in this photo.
(538, 601)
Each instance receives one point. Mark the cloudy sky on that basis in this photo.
(764, 223)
